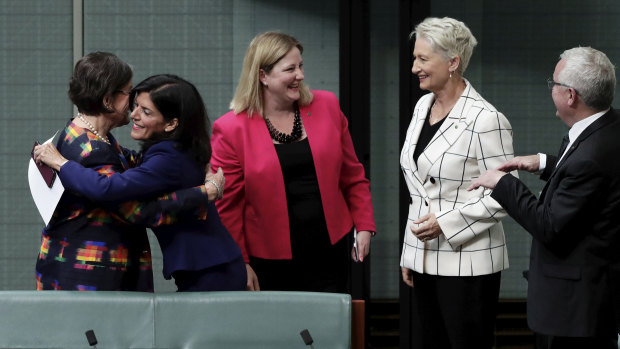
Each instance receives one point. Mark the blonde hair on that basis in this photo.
(264, 52)
(448, 37)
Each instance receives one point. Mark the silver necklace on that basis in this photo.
(92, 128)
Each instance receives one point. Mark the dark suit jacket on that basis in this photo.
(575, 227)
(186, 245)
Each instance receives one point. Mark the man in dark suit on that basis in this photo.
(575, 224)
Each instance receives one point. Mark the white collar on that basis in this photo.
(581, 125)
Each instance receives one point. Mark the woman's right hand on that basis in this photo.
(49, 155)
(214, 183)
(252, 279)
(407, 276)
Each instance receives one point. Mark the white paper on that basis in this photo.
(44, 197)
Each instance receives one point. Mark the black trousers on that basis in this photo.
(454, 312)
(552, 342)
(326, 270)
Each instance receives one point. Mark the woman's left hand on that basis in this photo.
(49, 155)
(363, 246)
(427, 229)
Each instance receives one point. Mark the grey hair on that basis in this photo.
(448, 37)
(591, 74)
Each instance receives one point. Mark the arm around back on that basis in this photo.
(158, 173)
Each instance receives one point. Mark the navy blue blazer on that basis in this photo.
(164, 168)
(575, 224)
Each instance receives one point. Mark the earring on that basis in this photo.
(450, 75)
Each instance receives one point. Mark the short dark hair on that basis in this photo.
(95, 76)
(175, 97)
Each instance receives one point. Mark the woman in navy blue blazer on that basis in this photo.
(170, 120)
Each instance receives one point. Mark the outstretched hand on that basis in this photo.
(488, 180)
(529, 163)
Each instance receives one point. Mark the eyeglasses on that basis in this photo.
(551, 83)
(125, 92)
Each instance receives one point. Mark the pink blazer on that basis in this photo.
(254, 205)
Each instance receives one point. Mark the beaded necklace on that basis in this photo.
(283, 137)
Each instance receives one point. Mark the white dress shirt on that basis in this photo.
(573, 134)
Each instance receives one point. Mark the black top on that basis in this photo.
(305, 209)
(426, 135)
(317, 265)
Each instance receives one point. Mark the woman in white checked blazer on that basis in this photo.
(454, 248)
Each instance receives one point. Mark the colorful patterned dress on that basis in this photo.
(91, 247)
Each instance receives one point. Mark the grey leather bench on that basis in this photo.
(49, 319)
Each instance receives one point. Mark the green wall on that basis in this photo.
(205, 40)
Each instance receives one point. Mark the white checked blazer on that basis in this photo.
(473, 138)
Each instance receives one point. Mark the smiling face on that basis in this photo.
(147, 120)
(432, 69)
(281, 84)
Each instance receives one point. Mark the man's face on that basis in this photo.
(560, 94)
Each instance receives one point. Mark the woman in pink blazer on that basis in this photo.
(294, 186)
